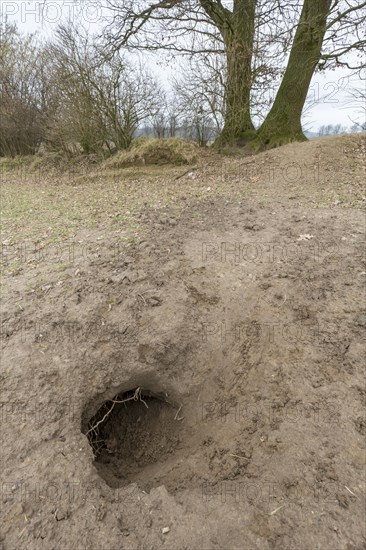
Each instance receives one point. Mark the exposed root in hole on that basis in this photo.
(93, 432)
(131, 433)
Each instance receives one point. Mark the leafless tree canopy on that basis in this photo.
(258, 42)
(243, 62)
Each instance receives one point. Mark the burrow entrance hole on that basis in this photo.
(131, 432)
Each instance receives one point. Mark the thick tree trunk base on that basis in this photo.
(234, 139)
(270, 140)
(258, 141)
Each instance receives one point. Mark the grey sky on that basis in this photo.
(328, 93)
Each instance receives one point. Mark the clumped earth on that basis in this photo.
(183, 353)
(150, 151)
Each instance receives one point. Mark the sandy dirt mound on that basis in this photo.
(201, 386)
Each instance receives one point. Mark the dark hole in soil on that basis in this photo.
(131, 432)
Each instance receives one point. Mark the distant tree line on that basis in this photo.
(335, 129)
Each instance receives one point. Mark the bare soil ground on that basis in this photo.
(183, 360)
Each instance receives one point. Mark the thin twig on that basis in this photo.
(177, 413)
(349, 490)
(22, 531)
(276, 510)
(185, 173)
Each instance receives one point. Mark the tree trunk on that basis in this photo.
(237, 30)
(238, 127)
(283, 122)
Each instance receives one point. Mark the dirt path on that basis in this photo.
(227, 314)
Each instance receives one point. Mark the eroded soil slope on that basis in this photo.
(183, 364)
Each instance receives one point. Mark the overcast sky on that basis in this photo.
(328, 93)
